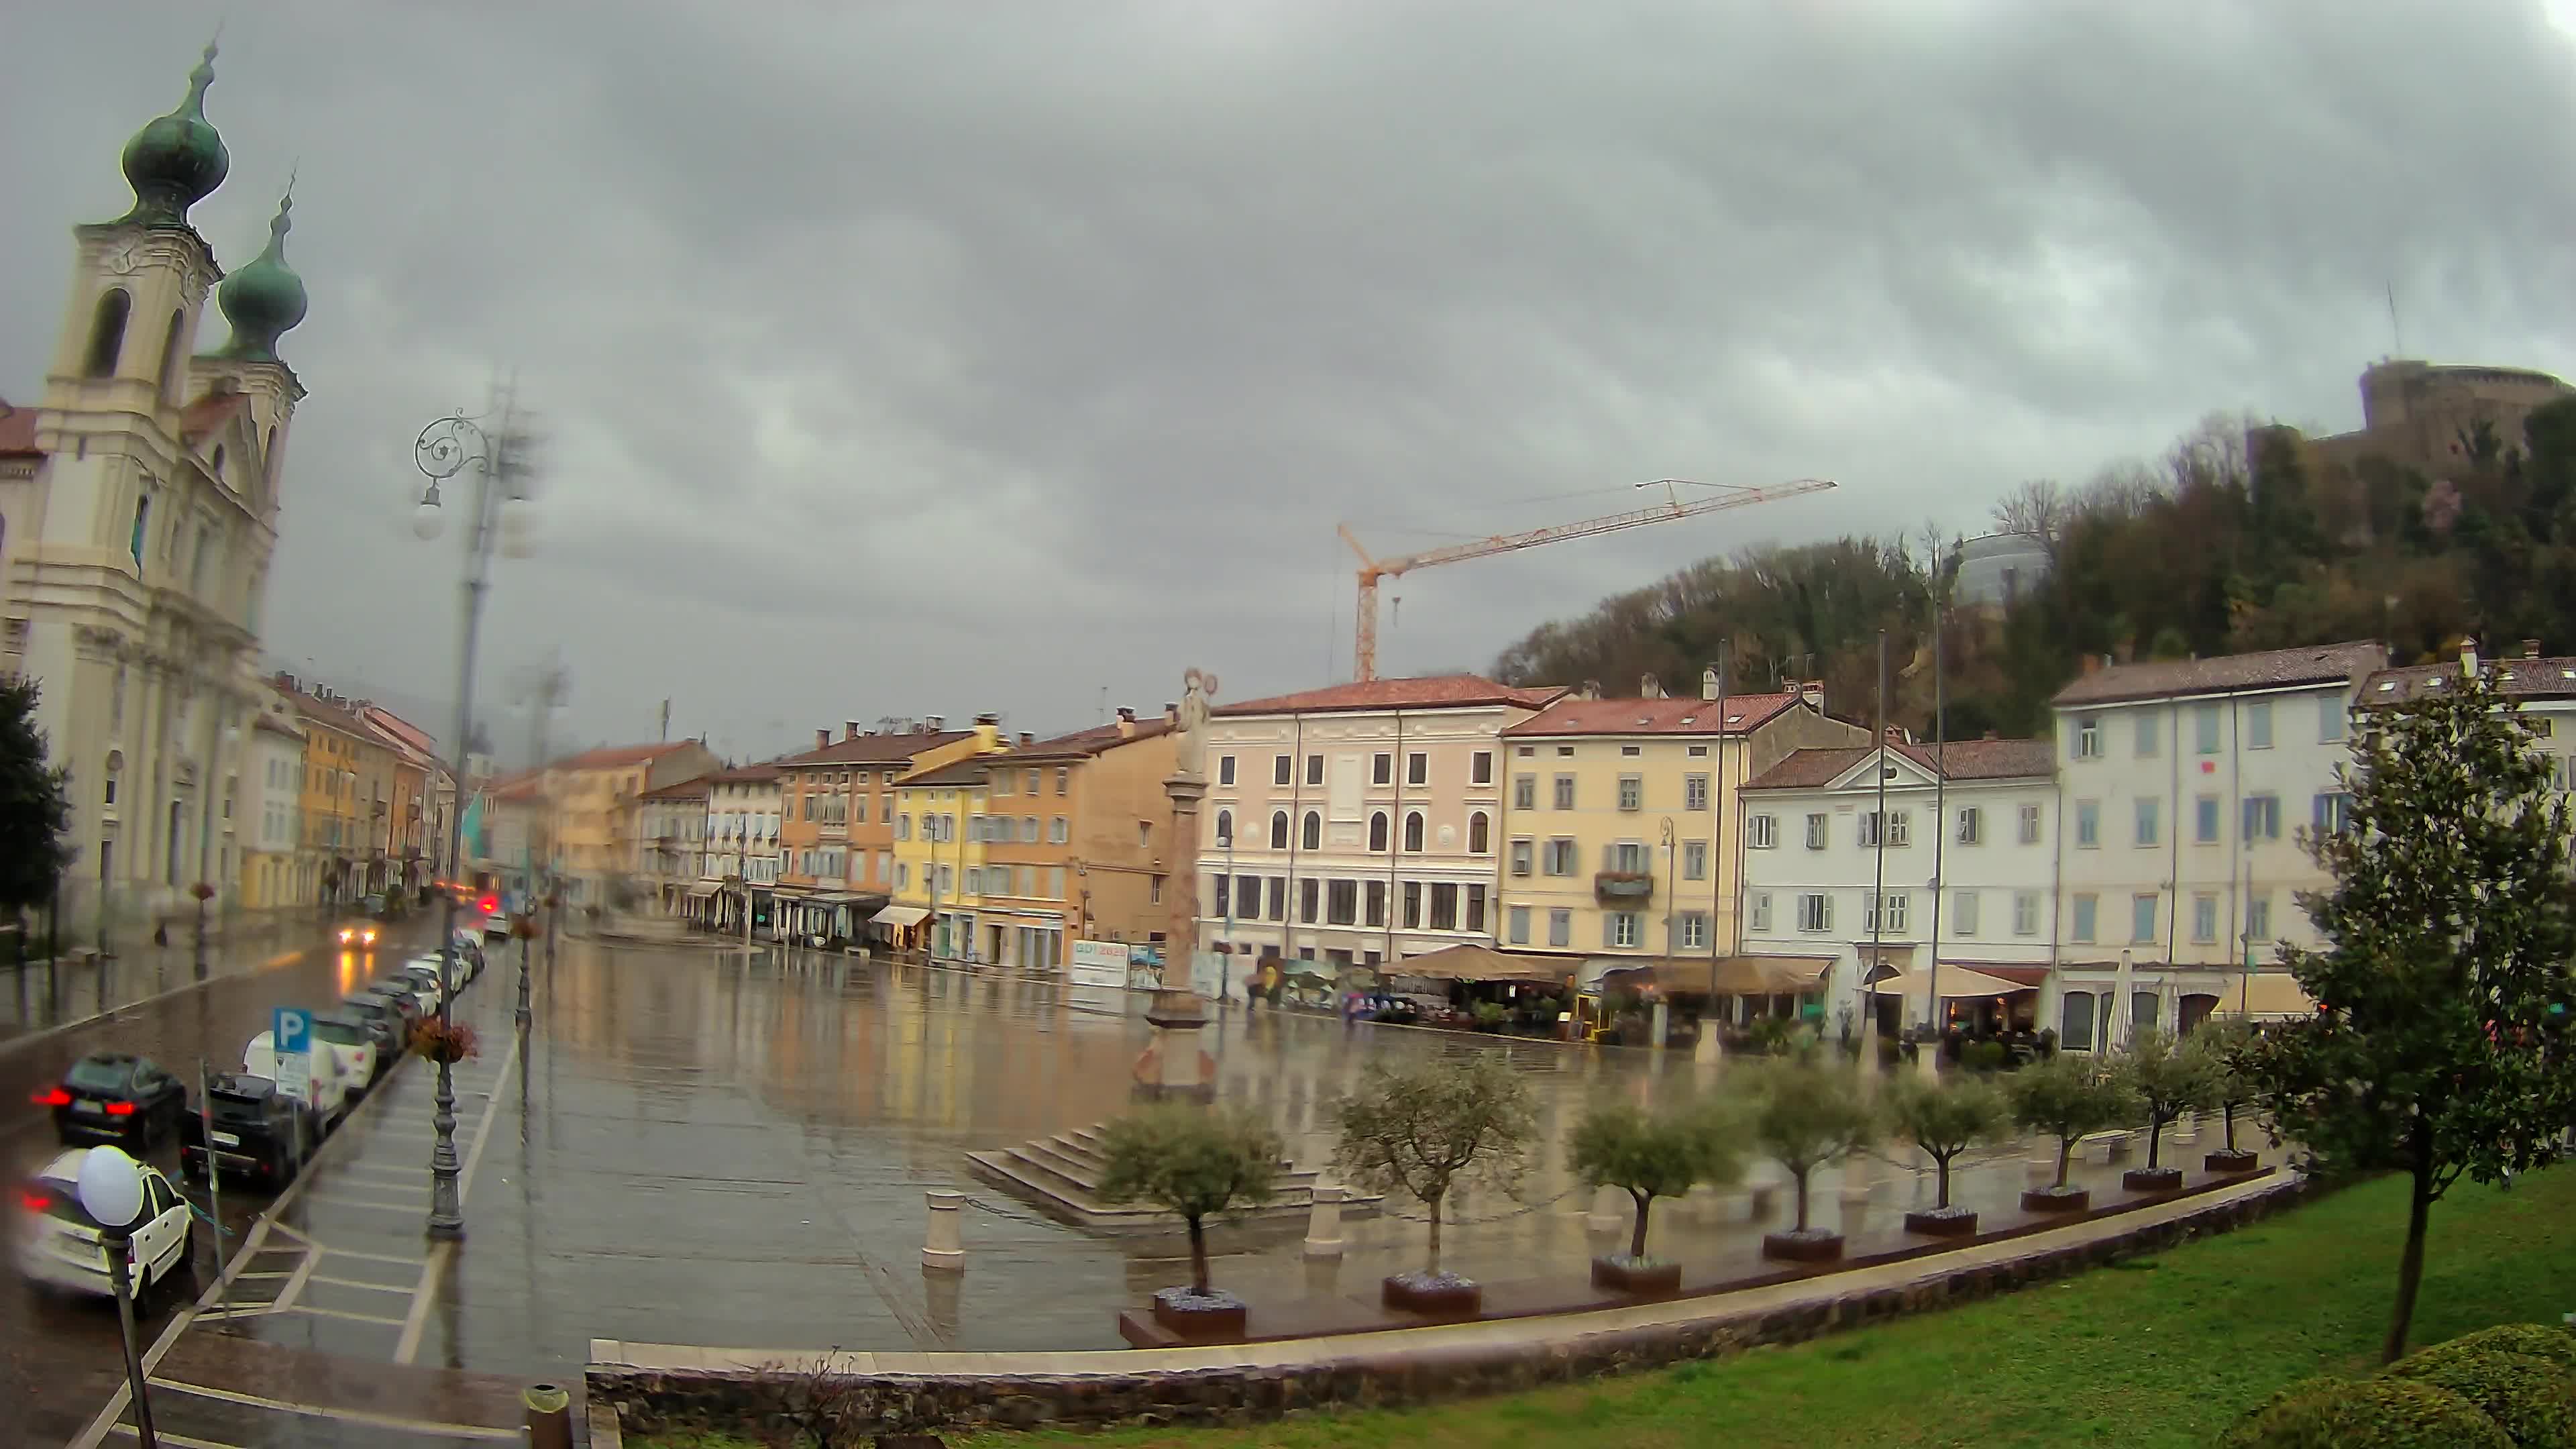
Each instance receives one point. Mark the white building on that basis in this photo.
(671, 834)
(139, 504)
(742, 853)
(2185, 784)
(2544, 687)
(1961, 872)
(1358, 823)
(270, 811)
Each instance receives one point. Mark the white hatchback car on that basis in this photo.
(60, 1245)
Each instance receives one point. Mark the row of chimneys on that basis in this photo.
(322, 692)
(1649, 687)
(931, 725)
(2094, 663)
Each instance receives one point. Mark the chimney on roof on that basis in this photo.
(933, 724)
(1649, 687)
(1171, 714)
(1591, 690)
(2530, 648)
(821, 738)
(849, 729)
(1027, 739)
(1708, 682)
(1126, 715)
(2092, 663)
(1896, 734)
(1126, 723)
(2468, 657)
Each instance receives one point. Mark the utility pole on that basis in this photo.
(1940, 813)
(1878, 888)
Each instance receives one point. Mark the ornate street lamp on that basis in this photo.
(445, 448)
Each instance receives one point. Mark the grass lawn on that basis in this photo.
(2160, 1351)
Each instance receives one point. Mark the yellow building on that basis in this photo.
(1619, 820)
(941, 824)
(333, 850)
(590, 833)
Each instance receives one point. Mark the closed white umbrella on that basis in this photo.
(2120, 1015)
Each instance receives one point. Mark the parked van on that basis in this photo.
(328, 1086)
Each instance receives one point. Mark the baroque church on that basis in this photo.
(138, 515)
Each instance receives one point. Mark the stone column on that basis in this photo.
(1181, 889)
(1324, 1224)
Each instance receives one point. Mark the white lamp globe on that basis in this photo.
(426, 521)
(111, 1189)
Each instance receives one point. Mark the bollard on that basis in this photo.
(943, 1247)
(549, 1416)
(1324, 1224)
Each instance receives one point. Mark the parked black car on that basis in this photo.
(383, 1019)
(397, 996)
(257, 1132)
(115, 1097)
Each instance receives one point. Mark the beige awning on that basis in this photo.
(899, 916)
(2266, 995)
(1957, 983)
(704, 889)
(1470, 962)
(1727, 975)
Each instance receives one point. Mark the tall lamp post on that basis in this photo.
(445, 448)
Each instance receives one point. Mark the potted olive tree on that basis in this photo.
(1806, 1113)
(2167, 1077)
(2068, 1096)
(1196, 1163)
(1648, 1155)
(1942, 1122)
(1423, 1129)
(2235, 1051)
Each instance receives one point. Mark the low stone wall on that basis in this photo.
(715, 1389)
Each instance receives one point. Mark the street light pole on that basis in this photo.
(444, 449)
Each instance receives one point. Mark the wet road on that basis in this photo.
(61, 1355)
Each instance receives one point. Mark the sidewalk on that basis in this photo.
(81, 984)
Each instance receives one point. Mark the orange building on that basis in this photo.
(1078, 842)
(408, 843)
(836, 820)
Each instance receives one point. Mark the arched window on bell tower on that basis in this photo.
(107, 333)
(170, 358)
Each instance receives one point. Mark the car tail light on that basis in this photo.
(120, 1109)
(34, 1202)
(490, 904)
(55, 1098)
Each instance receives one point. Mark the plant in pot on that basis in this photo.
(1422, 1129)
(443, 1041)
(1942, 1122)
(2068, 1097)
(1648, 1155)
(2167, 1077)
(1807, 1111)
(2236, 1054)
(1196, 1163)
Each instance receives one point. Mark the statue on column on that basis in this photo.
(1197, 687)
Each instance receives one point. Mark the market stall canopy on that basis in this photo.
(704, 889)
(899, 916)
(1732, 975)
(2267, 995)
(1470, 962)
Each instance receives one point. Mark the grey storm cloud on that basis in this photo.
(917, 357)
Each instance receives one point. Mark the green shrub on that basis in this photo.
(2532, 1399)
(2536, 1339)
(2369, 1414)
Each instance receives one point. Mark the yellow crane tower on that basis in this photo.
(1372, 571)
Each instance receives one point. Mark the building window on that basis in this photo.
(1815, 911)
(2258, 725)
(1342, 903)
(142, 518)
(1475, 920)
(1377, 831)
(2258, 917)
(1632, 792)
(2204, 918)
(2262, 817)
(1523, 852)
(2088, 737)
(1525, 792)
(1314, 769)
(1059, 830)
(1817, 831)
(2142, 919)
(1311, 835)
(1225, 769)
(2330, 719)
(1694, 860)
(1247, 892)
(1412, 919)
(1308, 893)
(1278, 897)
(1628, 856)
(1519, 926)
(1560, 856)
(2086, 908)
(2204, 729)
(1278, 830)
(1620, 928)
(1225, 896)
(1560, 927)
(1417, 769)
(2149, 821)
(1224, 828)
(2025, 913)
(1972, 825)
(1890, 919)
(1694, 931)
(1963, 912)
(1631, 751)
(1758, 907)
(2332, 812)
(1480, 833)
(1762, 832)
(1382, 768)
(1480, 768)
(1063, 779)
(107, 332)
(2204, 820)
(2146, 734)
(2088, 824)
(1694, 792)
(1376, 903)
(1413, 831)
(1565, 792)
(1281, 767)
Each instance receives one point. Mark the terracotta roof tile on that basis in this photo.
(761, 773)
(17, 430)
(610, 757)
(886, 749)
(695, 789)
(1439, 691)
(2547, 678)
(2270, 669)
(1691, 716)
(1963, 760)
(1099, 739)
(973, 770)
(267, 721)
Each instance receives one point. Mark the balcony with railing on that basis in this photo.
(1623, 887)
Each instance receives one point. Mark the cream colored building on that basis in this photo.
(591, 834)
(138, 513)
(269, 817)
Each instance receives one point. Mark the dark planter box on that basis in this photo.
(2226, 1161)
(1214, 1317)
(1815, 1245)
(2151, 1179)
(1636, 1275)
(2056, 1200)
(1433, 1295)
(1950, 1222)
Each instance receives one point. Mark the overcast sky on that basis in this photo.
(920, 357)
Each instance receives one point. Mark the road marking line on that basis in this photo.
(355, 1416)
(426, 1291)
(179, 1441)
(295, 1284)
(354, 1283)
(340, 1313)
(370, 1257)
(334, 1200)
(250, 1277)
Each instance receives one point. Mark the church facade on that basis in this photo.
(139, 504)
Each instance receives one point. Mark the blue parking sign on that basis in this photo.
(291, 1030)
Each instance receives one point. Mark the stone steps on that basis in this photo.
(1060, 1176)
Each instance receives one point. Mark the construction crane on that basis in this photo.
(1374, 570)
